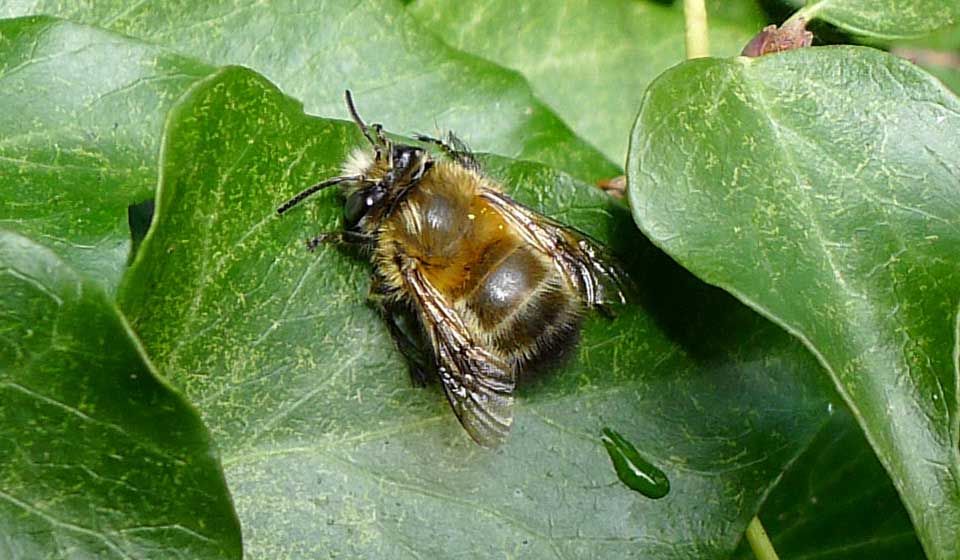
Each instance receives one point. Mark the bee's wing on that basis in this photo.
(478, 383)
(597, 276)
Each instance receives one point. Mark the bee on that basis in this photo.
(474, 287)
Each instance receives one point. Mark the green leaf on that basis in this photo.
(837, 503)
(100, 458)
(885, 18)
(821, 188)
(80, 124)
(328, 448)
(745, 12)
(591, 62)
(315, 51)
(938, 53)
(949, 76)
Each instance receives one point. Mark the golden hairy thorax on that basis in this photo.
(511, 293)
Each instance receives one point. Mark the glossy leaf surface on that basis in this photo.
(80, 117)
(590, 61)
(400, 74)
(822, 188)
(100, 458)
(886, 18)
(836, 502)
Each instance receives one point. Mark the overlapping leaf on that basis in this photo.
(100, 459)
(589, 61)
(295, 447)
(837, 503)
(938, 53)
(885, 18)
(822, 187)
(398, 71)
(80, 124)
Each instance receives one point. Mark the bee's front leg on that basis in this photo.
(345, 237)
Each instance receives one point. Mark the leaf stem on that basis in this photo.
(808, 12)
(698, 40)
(759, 541)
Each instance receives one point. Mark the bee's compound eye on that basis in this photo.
(359, 203)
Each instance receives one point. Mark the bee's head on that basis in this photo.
(374, 181)
(384, 181)
(382, 177)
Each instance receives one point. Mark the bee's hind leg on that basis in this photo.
(407, 334)
(453, 148)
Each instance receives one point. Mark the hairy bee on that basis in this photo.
(474, 287)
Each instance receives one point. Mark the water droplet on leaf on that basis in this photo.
(632, 469)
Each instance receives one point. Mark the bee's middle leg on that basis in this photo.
(406, 333)
(339, 238)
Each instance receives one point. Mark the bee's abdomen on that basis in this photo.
(505, 287)
(525, 307)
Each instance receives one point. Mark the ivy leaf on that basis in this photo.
(327, 446)
(79, 134)
(590, 62)
(885, 18)
(100, 458)
(950, 76)
(937, 53)
(821, 188)
(836, 502)
(315, 51)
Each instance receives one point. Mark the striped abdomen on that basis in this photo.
(512, 293)
(525, 308)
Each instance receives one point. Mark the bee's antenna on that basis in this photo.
(356, 117)
(318, 187)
